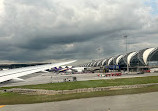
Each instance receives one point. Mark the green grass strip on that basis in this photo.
(91, 83)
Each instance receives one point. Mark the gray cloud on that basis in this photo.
(67, 29)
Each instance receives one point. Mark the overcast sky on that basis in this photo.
(41, 30)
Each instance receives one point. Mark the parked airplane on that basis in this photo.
(78, 69)
(154, 70)
(60, 69)
(14, 74)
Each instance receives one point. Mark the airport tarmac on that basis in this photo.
(133, 102)
(42, 78)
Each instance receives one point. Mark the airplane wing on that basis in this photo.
(18, 72)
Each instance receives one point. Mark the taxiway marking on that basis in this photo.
(2, 106)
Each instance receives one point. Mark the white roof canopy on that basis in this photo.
(103, 62)
(109, 61)
(147, 53)
(130, 57)
(118, 59)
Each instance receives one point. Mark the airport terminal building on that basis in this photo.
(144, 58)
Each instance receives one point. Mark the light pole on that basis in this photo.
(126, 54)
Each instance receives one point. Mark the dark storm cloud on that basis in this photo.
(43, 41)
(34, 30)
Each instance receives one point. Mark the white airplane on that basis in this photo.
(14, 74)
(154, 70)
(78, 69)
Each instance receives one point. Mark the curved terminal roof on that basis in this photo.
(147, 53)
(130, 57)
(103, 62)
(110, 60)
(88, 64)
(91, 64)
(140, 55)
(125, 57)
(99, 62)
(118, 59)
(95, 63)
